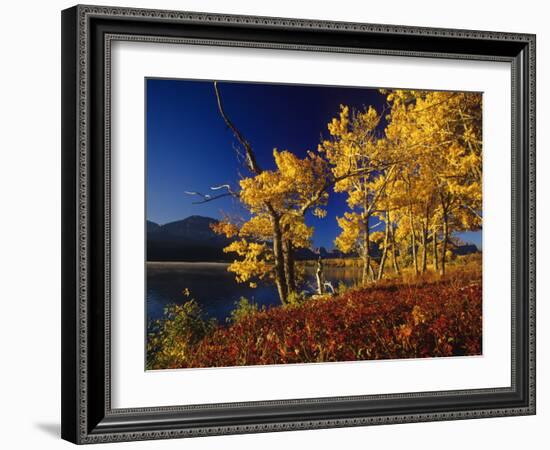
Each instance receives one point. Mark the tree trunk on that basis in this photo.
(320, 277)
(290, 273)
(393, 249)
(367, 269)
(385, 252)
(280, 278)
(424, 247)
(444, 242)
(413, 241)
(434, 250)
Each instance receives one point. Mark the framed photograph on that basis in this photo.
(282, 224)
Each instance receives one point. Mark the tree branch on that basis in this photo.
(333, 180)
(208, 198)
(250, 157)
(472, 210)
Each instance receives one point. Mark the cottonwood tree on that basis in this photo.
(421, 175)
(365, 166)
(277, 201)
(441, 134)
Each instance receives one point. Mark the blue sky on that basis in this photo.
(189, 147)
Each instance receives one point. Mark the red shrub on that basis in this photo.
(410, 321)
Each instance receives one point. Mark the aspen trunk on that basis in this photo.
(280, 278)
(367, 268)
(320, 277)
(413, 241)
(385, 252)
(424, 258)
(290, 272)
(444, 243)
(434, 251)
(394, 253)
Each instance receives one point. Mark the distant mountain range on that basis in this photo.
(192, 239)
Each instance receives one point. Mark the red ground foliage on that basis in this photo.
(394, 322)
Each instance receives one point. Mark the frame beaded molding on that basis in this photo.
(109, 39)
(84, 13)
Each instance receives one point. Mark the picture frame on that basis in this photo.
(87, 413)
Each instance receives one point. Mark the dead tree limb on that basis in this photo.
(250, 157)
(208, 198)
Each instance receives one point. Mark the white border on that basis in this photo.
(134, 387)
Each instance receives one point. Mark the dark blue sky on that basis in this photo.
(189, 147)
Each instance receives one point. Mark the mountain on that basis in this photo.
(465, 249)
(190, 239)
(152, 227)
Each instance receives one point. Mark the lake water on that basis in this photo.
(216, 290)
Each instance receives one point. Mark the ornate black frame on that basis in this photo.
(87, 32)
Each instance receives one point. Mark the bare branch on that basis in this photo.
(197, 193)
(375, 226)
(222, 186)
(250, 157)
(473, 211)
(208, 198)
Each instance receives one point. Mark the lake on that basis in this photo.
(216, 290)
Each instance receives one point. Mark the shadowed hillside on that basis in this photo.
(190, 239)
